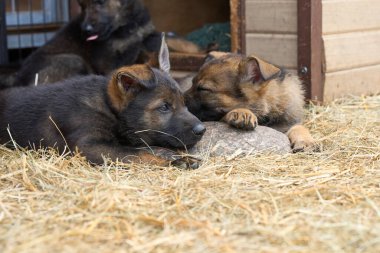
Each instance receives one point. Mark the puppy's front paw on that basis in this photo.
(187, 162)
(301, 139)
(303, 145)
(241, 118)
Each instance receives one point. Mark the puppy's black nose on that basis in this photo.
(199, 129)
(88, 28)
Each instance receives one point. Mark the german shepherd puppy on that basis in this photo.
(138, 106)
(246, 91)
(106, 35)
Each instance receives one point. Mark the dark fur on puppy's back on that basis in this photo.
(30, 112)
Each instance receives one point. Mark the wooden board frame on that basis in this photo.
(310, 48)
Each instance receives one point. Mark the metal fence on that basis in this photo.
(27, 24)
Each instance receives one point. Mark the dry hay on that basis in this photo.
(309, 202)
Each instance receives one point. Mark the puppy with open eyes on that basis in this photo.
(246, 91)
(105, 36)
(116, 117)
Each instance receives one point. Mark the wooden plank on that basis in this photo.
(34, 28)
(310, 47)
(352, 82)
(3, 35)
(178, 74)
(238, 29)
(265, 16)
(350, 15)
(181, 61)
(186, 62)
(280, 49)
(351, 50)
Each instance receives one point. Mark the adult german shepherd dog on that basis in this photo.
(106, 35)
(246, 91)
(138, 106)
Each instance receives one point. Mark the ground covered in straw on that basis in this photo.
(308, 202)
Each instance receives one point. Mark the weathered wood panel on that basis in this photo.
(352, 82)
(280, 49)
(279, 16)
(351, 50)
(185, 16)
(350, 15)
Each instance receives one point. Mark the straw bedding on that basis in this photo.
(308, 202)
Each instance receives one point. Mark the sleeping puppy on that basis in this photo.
(246, 91)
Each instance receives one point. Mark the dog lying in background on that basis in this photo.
(246, 91)
(137, 107)
(106, 35)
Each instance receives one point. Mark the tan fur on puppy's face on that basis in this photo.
(118, 96)
(228, 82)
(214, 91)
(150, 108)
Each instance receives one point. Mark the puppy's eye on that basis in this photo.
(164, 108)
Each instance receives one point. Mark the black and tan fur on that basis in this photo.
(136, 107)
(124, 34)
(246, 91)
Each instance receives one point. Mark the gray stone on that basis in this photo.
(223, 140)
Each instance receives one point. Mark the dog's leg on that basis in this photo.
(300, 138)
(95, 151)
(241, 118)
(62, 66)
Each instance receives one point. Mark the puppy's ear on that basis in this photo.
(127, 82)
(185, 83)
(214, 55)
(163, 57)
(253, 69)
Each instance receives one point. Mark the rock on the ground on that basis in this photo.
(223, 140)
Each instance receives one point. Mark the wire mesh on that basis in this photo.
(30, 24)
